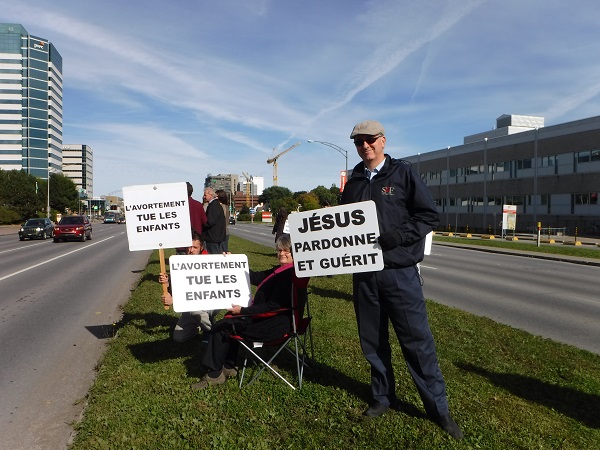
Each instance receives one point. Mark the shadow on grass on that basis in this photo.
(270, 253)
(328, 376)
(156, 351)
(570, 402)
(330, 293)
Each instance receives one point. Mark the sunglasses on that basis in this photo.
(369, 140)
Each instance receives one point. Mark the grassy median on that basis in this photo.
(506, 388)
(557, 249)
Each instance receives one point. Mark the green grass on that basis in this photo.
(554, 249)
(506, 388)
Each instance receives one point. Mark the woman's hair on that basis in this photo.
(284, 242)
(222, 196)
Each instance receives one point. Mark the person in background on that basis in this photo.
(214, 230)
(197, 216)
(224, 201)
(279, 224)
(190, 323)
(406, 213)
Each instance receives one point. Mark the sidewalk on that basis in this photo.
(6, 230)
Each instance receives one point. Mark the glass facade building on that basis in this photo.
(30, 103)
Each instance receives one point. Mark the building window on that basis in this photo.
(583, 157)
(586, 199)
(548, 161)
(524, 164)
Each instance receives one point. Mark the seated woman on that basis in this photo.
(274, 292)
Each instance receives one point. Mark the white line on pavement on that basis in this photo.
(53, 259)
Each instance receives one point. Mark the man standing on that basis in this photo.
(197, 216)
(406, 214)
(214, 229)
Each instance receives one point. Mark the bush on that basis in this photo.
(8, 216)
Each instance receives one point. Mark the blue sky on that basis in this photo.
(168, 91)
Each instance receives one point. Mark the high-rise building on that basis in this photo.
(257, 185)
(30, 103)
(78, 165)
(227, 182)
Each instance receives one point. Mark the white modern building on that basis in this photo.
(30, 103)
(258, 185)
(78, 165)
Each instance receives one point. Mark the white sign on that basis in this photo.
(428, 242)
(509, 217)
(336, 240)
(206, 282)
(157, 216)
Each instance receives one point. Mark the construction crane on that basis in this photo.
(273, 160)
(248, 187)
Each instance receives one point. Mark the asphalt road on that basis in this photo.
(554, 299)
(58, 302)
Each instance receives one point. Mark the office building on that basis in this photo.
(551, 174)
(227, 182)
(30, 103)
(257, 185)
(78, 165)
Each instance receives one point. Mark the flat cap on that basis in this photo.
(368, 127)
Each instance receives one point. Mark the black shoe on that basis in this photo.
(449, 426)
(376, 410)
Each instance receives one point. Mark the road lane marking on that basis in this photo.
(53, 259)
(428, 267)
(25, 246)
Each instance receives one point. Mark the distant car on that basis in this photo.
(73, 227)
(231, 220)
(36, 229)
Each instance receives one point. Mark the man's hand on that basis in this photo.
(390, 239)
(167, 299)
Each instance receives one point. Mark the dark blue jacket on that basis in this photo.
(404, 204)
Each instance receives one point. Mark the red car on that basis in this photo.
(73, 227)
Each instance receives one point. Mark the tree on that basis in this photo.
(309, 201)
(19, 199)
(272, 194)
(63, 193)
(326, 196)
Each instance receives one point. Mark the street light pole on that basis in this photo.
(335, 147)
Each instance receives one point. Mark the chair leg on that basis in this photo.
(243, 372)
(267, 365)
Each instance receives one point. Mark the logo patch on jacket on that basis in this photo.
(387, 190)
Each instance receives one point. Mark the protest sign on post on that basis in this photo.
(157, 216)
(206, 282)
(336, 240)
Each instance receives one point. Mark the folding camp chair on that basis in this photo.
(297, 341)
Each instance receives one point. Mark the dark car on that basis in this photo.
(73, 227)
(36, 229)
(231, 220)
